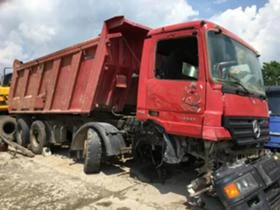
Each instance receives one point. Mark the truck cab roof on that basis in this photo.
(196, 24)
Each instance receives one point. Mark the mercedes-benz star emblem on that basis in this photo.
(256, 129)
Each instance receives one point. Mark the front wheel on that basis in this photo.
(92, 152)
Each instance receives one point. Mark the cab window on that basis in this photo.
(177, 59)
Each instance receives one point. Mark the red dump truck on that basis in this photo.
(177, 93)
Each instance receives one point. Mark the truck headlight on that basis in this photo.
(241, 186)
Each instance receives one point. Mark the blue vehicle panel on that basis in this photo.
(274, 127)
(273, 95)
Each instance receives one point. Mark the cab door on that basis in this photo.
(175, 85)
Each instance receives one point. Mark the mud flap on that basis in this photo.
(258, 184)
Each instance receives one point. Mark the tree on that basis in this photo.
(271, 73)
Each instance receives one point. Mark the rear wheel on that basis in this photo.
(8, 127)
(22, 133)
(38, 136)
(92, 152)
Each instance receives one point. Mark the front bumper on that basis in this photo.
(266, 171)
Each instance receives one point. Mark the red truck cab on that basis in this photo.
(203, 87)
(198, 92)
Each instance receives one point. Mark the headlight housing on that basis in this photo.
(241, 186)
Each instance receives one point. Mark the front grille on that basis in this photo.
(273, 196)
(241, 129)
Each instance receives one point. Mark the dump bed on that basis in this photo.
(98, 74)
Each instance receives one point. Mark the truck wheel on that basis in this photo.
(38, 136)
(92, 152)
(8, 127)
(22, 132)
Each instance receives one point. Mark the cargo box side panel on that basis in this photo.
(92, 75)
(56, 84)
(32, 87)
(118, 86)
(19, 84)
(17, 89)
(107, 65)
(44, 84)
(62, 84)
(87, 59)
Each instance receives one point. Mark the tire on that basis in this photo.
(22, 133)
(147, 149)
(38, 136)
(92, 152)
(8, 127)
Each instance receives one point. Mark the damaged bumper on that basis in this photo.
(254, 186)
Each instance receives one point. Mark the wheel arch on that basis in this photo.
(110, 137)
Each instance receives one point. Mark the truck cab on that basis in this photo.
(201, 81)
(202, 86)
(198, 79)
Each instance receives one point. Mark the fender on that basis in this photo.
(112, 140)
(173, 150)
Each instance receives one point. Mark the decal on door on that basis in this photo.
(191, 101)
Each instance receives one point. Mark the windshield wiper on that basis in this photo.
(245, 90)
(236, 82)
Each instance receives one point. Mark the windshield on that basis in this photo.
(274, 102)
(6, 79)
(233, 63)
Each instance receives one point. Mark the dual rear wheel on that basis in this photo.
(35, 137)
(38, 136)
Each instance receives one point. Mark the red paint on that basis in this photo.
(97, 74)
(197, 111)
(91, 75)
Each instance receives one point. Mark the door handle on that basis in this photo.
(153, 113)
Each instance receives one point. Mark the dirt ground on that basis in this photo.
(56, 182)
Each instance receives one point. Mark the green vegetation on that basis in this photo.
(271, 73)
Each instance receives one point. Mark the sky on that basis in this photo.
(32, 28)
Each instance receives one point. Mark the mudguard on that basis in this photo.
(110, 136)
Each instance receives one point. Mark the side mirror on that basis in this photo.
(221, 66)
